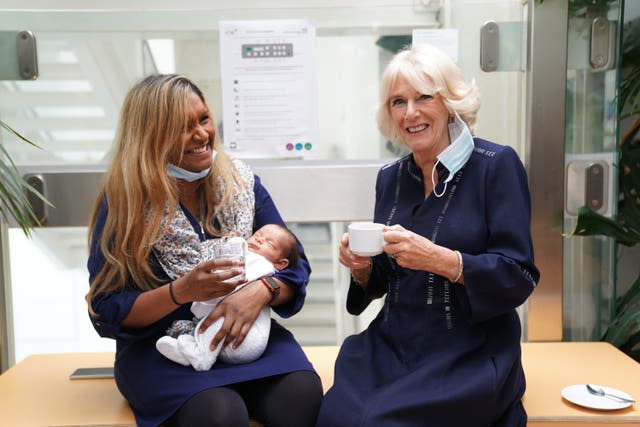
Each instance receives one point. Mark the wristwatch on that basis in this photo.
(273, 286)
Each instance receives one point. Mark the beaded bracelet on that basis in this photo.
(460, 267)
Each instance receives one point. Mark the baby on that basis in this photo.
(271, 248)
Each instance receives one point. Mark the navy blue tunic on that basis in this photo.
(156, 387)
(442, 353)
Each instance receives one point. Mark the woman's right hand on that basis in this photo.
(360, 265)
(207, 280)
(349, 259)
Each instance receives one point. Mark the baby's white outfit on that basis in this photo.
(194, 348)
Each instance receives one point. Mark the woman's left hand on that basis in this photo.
(409, 249)
(240, 310)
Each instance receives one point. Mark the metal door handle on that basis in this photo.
(601, 44)
(489, 46)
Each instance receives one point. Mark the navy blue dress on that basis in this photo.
(442, 353)
(156, 387)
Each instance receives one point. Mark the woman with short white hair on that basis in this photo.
(457, 261)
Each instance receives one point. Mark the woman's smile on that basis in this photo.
(201, 150)
(416, 129)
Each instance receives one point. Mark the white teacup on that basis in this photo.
(365, 238)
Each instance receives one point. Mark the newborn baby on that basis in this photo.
(269, 249)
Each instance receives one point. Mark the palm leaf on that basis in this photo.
(623, 327)
(631, 297)
(633, 348)
(13, 131)
(14, 190)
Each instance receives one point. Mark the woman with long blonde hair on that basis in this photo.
(169, 172)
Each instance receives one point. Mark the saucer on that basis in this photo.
(579, 395)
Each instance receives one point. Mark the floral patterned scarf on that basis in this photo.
(180, 248)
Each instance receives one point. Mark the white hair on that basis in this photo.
(428, 70)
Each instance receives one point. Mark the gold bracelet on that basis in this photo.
(460, 267)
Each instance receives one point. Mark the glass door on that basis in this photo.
(70, 111)
(594, 32)
(85, 69)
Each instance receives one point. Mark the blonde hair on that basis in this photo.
(138, 189)
(428, 70)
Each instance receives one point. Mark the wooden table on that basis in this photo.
(549, 367)
(37, 391)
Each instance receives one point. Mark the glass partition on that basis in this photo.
(89, 59)
(86, 69)
(590, 165)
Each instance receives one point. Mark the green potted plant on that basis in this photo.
(624, 330)
(14, 190)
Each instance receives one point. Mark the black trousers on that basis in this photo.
(288, 400)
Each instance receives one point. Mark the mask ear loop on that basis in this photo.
(452, 119)
(433, 181)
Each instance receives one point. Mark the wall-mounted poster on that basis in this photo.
(269, 88)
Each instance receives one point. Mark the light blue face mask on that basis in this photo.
(456, 154)
(185, 175)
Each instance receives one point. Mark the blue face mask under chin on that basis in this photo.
(456, 154)
(185, 175)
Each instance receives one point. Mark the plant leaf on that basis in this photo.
(629, 179)
(632, 347)
(591, 223)
(630, 298)
(14, 201)
(16, 133)
(623, 327)
(14, 190)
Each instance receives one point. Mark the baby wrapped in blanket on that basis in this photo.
(269, 249)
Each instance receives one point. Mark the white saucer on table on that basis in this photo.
(579, 395)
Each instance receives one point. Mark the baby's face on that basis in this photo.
(268, 241)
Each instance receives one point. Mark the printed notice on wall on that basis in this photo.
(269, 95)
